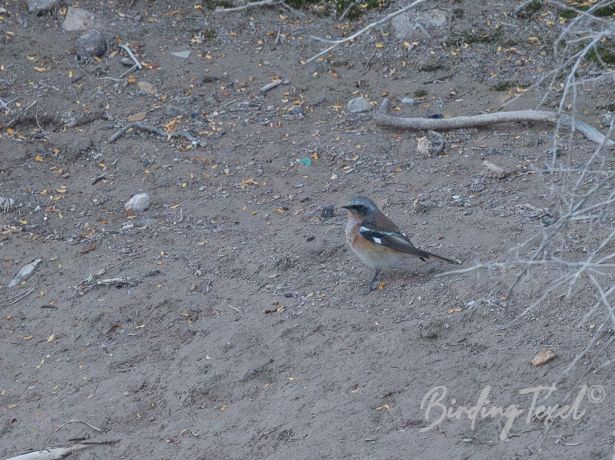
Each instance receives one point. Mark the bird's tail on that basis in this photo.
(425, 256)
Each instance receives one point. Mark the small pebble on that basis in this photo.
(91, 44)
(358, 105)
(138, 203)
(327, 212)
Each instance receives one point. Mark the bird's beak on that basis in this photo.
(346, 207)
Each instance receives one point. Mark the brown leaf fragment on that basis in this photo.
(543, 357)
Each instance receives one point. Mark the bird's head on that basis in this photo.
(361, 207)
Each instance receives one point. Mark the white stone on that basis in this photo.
(78, 19)
(427, 24)
(138, 203)
(358, 105)
(40, 6)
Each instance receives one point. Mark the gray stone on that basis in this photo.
(78, 19)
(409, 101)
(173, 110)
(432, 328)
(91, 44)
(138, 203)
(40, 6)
(358, 105)
(427, 24)
(181, 54)
(297, 112)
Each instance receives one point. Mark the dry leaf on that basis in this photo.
(51, 338)
(249, 181)
(454, 310)
(147, 87)
(384, 407)
(139, 116)
(542, 357)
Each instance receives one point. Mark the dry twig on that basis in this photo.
(382, 117)
(269, 86)
(387, 18)
(151, 129)
(82, 422)
(56, 453)
(132, 56)
(249, 6)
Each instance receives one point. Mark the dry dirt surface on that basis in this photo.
(228, 320)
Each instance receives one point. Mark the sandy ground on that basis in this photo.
(240, 329)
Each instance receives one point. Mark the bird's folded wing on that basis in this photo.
(391, 239)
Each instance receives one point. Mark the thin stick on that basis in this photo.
(248, 6)
(234, 308)
(81, 421)
(5, 105)
(60, 452)
(132, 69)
(151, 129)
(270, 86)
(17, 298)
(132, 56)
(365, 29)
(381, 117)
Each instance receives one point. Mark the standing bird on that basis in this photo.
(377, 241)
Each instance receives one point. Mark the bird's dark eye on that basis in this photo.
(359, 207)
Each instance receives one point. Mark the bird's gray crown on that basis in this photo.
(361, 205)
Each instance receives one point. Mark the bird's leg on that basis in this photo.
(371, 287)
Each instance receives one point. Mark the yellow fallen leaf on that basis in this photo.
(542, 357)
(38, 158)
(40, 69)
(454, 310)
(28, 337)
(147, 87)
(379, 45)
(139, 116)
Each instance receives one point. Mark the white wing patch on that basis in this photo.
(372, 234)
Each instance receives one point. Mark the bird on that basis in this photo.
(377, 241)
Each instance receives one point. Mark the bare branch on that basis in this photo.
(381, 117)
(249, 6)
(381, 21)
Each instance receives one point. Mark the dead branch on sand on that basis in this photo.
(381, 21)
(60, 452)
(383, 118)
(248, 6)
(151, 129)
